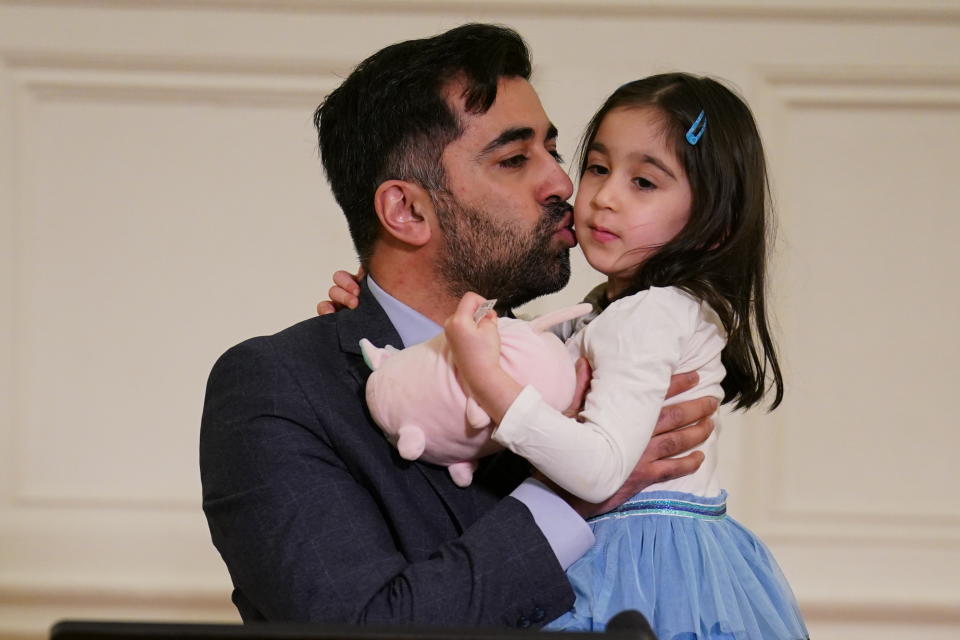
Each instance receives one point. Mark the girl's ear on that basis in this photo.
(405, 211)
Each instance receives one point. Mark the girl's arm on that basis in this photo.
(634, 347)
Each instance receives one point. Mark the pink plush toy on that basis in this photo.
(415, 397)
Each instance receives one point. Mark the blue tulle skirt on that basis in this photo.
(693, 571)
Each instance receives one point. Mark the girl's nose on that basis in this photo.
(605, 197)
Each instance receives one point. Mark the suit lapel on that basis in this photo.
(370, 321)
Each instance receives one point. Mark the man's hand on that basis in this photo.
(679, 428)
(584, 374)
(344, 294)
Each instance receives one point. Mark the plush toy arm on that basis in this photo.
(410, 442)
(462, 472)
(551, 318)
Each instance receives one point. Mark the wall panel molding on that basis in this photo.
(785, 91)
(814, 10)
(55, 78)
(52, 75)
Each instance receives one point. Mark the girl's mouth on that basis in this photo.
(601, 234)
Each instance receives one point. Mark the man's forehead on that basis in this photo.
(515, 108)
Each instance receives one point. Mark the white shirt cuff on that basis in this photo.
(568, 534)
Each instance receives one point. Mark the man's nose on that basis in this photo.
(556, 183)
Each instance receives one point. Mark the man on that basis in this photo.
(445, 165)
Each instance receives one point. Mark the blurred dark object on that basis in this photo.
(628, 625)
(631, 623)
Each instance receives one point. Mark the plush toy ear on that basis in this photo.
(374, 356)
(547, 320)
(371, 354)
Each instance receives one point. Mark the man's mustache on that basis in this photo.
(555, 210)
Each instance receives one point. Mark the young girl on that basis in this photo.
(672, 208)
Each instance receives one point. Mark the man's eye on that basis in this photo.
(556, 156)
(514, 162)
(643, 183)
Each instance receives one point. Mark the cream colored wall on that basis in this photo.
(161, 199)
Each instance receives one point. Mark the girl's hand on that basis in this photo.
(475, 349)
(474, 346)
(344, 294)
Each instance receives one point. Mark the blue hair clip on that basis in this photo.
(693, 135)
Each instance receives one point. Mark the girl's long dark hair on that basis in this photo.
(720, 255)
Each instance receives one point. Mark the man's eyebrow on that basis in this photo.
(506, 137)
(644, 158)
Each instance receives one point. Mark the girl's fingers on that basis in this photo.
(343, 298)
(348, 281)
(324, 307)
(468, 305)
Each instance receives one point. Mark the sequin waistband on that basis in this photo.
(709, 509)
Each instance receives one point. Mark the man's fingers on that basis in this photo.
(684, 413)
(675, 442)
(682, 382)
(663, 470)
(580, 391)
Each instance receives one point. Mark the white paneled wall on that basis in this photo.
(161, 199)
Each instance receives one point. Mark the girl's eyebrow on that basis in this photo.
(646, 158)
(636, 156)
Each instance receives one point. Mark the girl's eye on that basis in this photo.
(514, 162)
(597, 170)
(643, 183)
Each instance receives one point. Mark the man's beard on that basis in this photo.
(499, 259)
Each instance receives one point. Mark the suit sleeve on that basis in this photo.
(306, 539)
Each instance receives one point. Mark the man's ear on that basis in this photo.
(405, 210)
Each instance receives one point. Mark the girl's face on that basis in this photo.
(633, 197)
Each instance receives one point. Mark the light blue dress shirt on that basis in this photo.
(567, 533)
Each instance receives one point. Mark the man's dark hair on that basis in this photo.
(390, 119)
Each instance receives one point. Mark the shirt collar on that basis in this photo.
(413, 326)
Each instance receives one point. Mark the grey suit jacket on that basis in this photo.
(318, 518)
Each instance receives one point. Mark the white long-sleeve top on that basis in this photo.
(633, 346)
